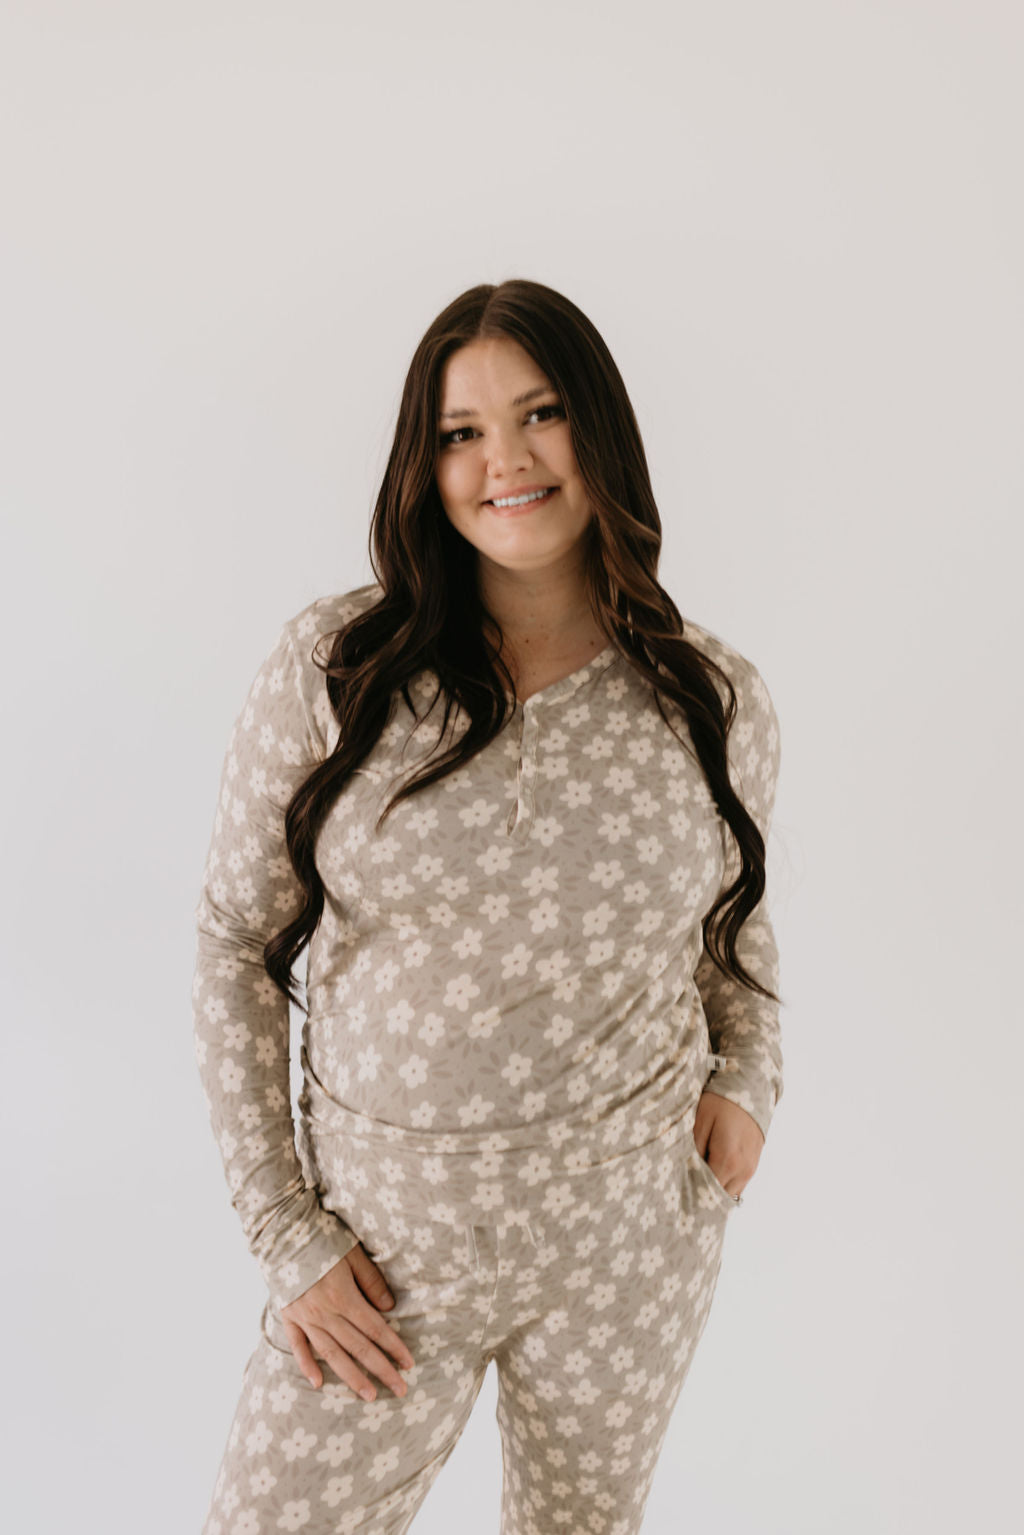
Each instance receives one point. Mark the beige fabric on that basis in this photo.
(507, 990)
(591, 1312)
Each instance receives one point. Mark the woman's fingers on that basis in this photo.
(299, 1345)
(376, 1330)
(345, 1349)
(370, 1279)
(341, 1360)
(335, 1316)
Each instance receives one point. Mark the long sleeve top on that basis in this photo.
(508, 983)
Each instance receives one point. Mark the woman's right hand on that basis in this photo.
(335, 1316)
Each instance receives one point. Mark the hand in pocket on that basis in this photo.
(729, 1139)
(340, 1317)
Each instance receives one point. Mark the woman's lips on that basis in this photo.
(516, 511)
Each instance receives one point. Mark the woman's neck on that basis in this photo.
(547, 614)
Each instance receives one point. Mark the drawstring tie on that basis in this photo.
(472, 1251)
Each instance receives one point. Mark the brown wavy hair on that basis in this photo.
(431, 613)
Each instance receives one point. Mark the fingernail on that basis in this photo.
(389, 1299)
(367, 1393)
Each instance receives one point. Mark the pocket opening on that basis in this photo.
(730, 1201)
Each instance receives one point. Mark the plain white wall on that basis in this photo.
(799, 228)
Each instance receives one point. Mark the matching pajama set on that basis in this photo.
(511, 1020)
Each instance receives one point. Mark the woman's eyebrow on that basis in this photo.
(520, 399)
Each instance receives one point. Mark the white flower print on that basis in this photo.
(434, 1170)
(598, 748)
(552, 967)
(298, 1444)
(413, 1071)
(441, 914)
(231, 1076)
(471, 943)
(641, 752)
(515, 961)
(432, 1029)
(259, 1439)
(336, 1450)
(517, 1069)
(544, 916)
(399, 1017)
(428, 868)
(540, 879)
(480, 813)
(441, 1433)
(296, 1513)
(237, 1035)
(495, 907)
(422, 823)
(547, 830)
(560, 1029)
(338, 1490)
(554, 768)
(282, 1398)
(369, 1061)
(506, 1019)
(576, 794)
(536, 1169)
(584, 1393)
(598, 919)
(495, 861)
(532, 1105)
(460, 991)
(614, 828)
(557, 1198)
(475, 1111)
(386, 976)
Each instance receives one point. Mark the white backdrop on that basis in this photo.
(799, 228)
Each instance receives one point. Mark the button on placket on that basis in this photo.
(521, 816)
(556, 694)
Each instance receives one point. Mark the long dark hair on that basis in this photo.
(431, 613)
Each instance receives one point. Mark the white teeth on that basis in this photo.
(521, 500)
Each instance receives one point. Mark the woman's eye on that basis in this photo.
(455, 436)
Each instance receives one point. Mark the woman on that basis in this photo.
(516, 808)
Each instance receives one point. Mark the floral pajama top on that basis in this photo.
(508, 984)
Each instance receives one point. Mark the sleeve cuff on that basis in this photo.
(747, 1089)
(330, 1242)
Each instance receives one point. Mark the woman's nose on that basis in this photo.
(508, 451)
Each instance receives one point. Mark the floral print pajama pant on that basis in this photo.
(591, 1308)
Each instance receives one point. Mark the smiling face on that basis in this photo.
(496, 443)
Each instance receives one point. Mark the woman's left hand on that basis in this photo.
(729, 1139)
